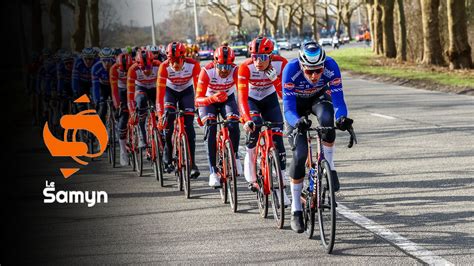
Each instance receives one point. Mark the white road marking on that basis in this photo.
(383, 116)
(404, 244)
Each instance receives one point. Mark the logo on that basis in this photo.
(335, 82)
(89, 197)
(289, 86)
(87, 120)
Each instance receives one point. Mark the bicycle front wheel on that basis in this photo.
(185, 165)
(231, 175)
(276, 188)
(158, 160)
(138, 153)
(327, 207)
(262, 198)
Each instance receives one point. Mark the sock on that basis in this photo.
(296, 196)
(328, 155)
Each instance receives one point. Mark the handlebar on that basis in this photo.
(320, 130)
(223, 122)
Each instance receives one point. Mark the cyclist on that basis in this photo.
(141, 87)
(259, 87)
(215, 94)
(118, 84)
(312, 82)
(157, 54)
(64, 76)
(81, 75)
(101, 82)
(177, 79)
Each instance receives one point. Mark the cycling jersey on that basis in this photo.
(81, 77)
(64, 76)
(137, 78)
(295, 85)
(47, 77)
(100, 79)
(210, 82)
(118, 80)
(256, 85)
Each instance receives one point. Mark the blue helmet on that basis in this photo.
(311, 54)
(106, 52)
(88, 53)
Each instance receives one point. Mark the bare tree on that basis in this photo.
(94, 22)
(275, 5)
(431, 40)
(259, 10)
(54, 11)
(232, 15)
(377, 40)
(314, 18)
(291, 8)
(402, 33)
(459, 51)
(348, 8)
(79, 35)
(389, 49)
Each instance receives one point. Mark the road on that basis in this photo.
(410, 176)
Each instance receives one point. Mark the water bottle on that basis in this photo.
(311, 174)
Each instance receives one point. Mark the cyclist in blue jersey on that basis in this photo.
(101, 89)
(81, 75)
(312, 84)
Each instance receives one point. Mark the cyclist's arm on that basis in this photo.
(203, 82)
(131, 77)
(289, 98)
(337, 94)
(243, 91)
(113, 77)
(278, 82)
(161, 89)
(196, 71)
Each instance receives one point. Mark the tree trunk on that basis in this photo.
(55, 18)
(388, 37)
(402, 35)
(239, 17)
(94, 20)
(339, 17)
(314, 22)
(301, 20)
(378, 29)
(37, 26)
(459, 51)
(79, 35)
(431, 41)
(326, 14)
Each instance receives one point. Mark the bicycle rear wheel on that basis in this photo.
(185, 167)
(231, 175)
(276, 188)
(262, 199)
(327, 207)
(138, 153)
(158, 160)
(223, 191)
(111, 148)
(309, 213)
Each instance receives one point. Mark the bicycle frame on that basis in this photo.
(178, 132)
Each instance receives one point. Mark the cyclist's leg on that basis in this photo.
(122, 126)
(170, 106)
(141, 100)
(186, 103)
(324, 111)
(249, 167)
(208, 113)
(231, 112)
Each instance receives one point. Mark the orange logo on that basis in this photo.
(87, 120)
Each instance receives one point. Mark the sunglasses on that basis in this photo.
(223, 67)
(310, 72)
(262, 57)
(178, 60)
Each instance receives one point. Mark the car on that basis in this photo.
(295, 42)
(276, 47)
(206, 53)
(239, 48)
(325, 41)
(343, 39)
(284, 44)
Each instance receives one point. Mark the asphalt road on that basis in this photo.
(411, 174)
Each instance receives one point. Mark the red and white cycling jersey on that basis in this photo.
(137, 77)
(179, 80)
(210, 82)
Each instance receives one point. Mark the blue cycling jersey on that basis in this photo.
(100, 76)
(80, 74)
(64, 78)
(296, 85)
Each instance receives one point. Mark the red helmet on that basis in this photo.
(261, 45)
(175, 49)
(145, 58)
(224, 55)
(124, 61)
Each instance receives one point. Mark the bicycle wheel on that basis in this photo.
(326, 208)
(309, 213)
(185, 169)
(262, 199)
(158, 162)
(138, 153)
(231, 177)
(131, 151)
(223, 190)
(111, 148)
(276, 188)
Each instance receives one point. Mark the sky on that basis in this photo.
(139, 11)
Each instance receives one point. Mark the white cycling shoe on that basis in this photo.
(214, 180)
(239, 167)
(123, 152)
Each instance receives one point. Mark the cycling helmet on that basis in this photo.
(67, 56)
(154, 49)
(145, 58)
(311, 54)
(175, 49)
(224, 55)
(125, 61)
(261, 45)
(106, 52)
(88, 53)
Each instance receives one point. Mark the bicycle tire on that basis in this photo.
(223, 191)
(262, 199)
(185, 167)
(231, 177)
(327, 208)
(309, 214)
(138, 153)
(158, 162)
(276, 178)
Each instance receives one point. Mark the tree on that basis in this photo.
(292, 8)
(459, 51)
(431, 41)
(36, 26)
(259, 10)
(402, 35)
(389, 49)
(233, 16)
(378, 28)
(94, 22)
(348, 8)
(314, 18)
(54, 10)
(276, 6)
(79, 35)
